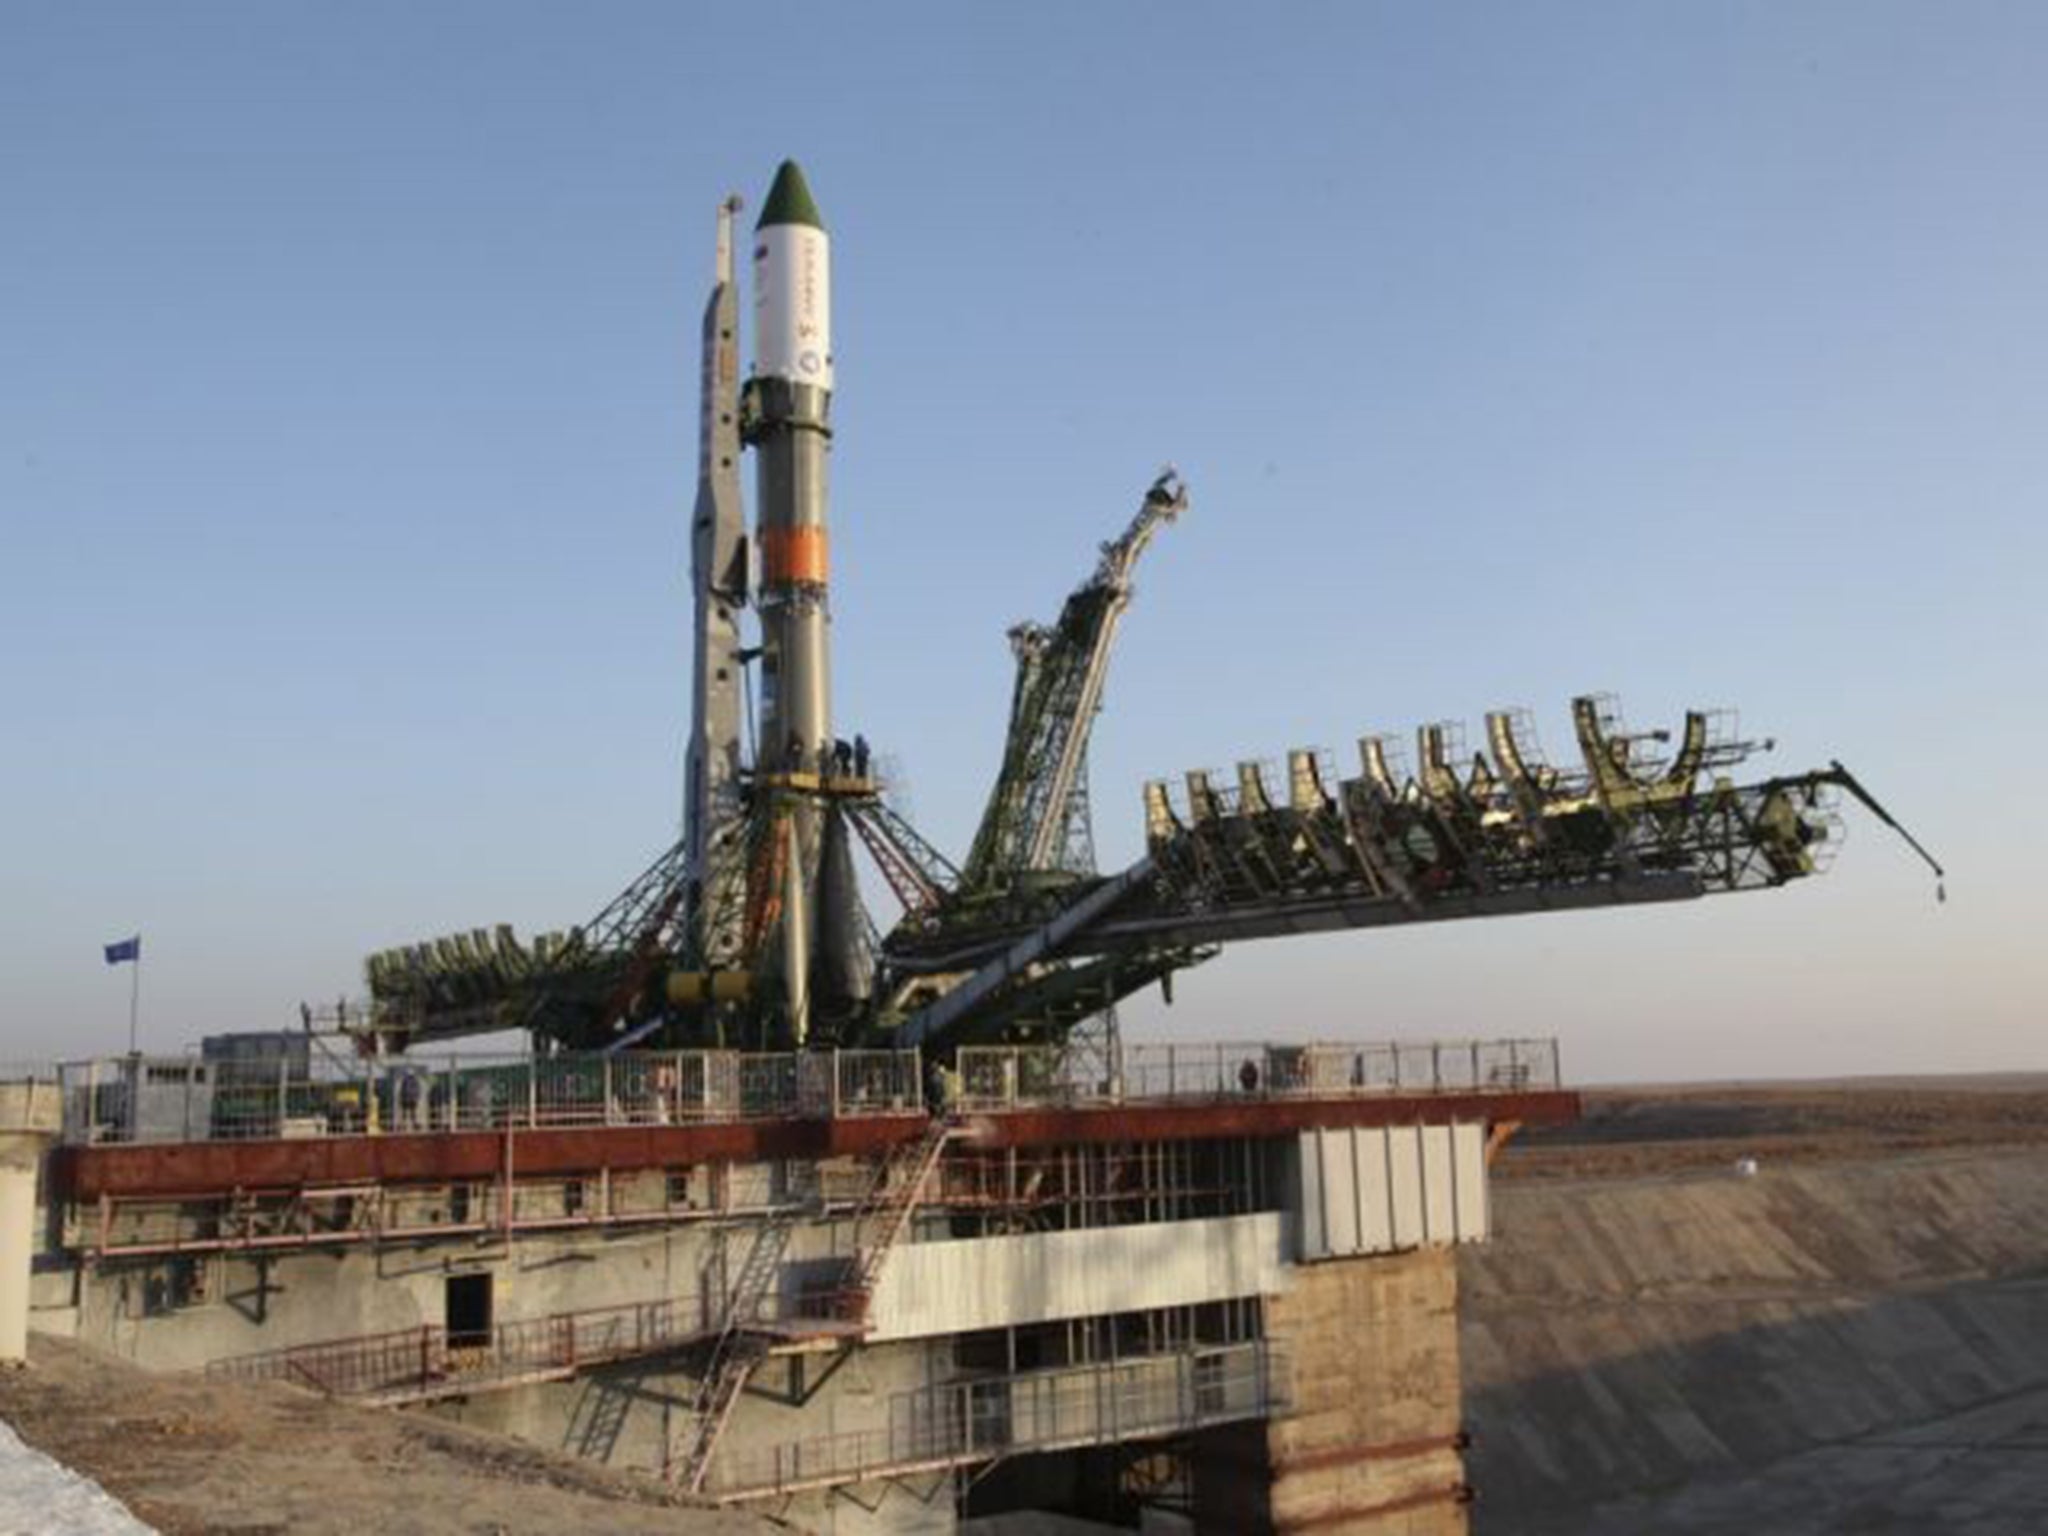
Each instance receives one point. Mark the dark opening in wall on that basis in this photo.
(468, 1311)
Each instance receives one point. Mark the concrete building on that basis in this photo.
(1214, 1290)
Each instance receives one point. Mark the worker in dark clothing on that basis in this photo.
(796, 753)
(860, 756)
(842, 756)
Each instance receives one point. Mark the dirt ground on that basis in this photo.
(1635, 1131)
(200, 1458)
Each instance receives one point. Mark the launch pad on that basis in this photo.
(887, 1229)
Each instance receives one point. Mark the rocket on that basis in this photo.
(769, 882)
(788, 407)
(786, 420)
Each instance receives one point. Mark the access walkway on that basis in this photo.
(416, 1365)
(991, 1418)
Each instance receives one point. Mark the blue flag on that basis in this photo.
(127, 949)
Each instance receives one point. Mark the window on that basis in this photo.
(468, 1311)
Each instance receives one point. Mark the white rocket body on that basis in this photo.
(793, 304)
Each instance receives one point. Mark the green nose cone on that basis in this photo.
(790, 200)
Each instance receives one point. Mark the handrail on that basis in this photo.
(147, 1099)
(987, 1418)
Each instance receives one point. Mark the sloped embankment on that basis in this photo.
(1705, 1352)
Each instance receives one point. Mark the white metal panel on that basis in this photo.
(1472, 1192)
(1439, 1185)
(994, 1282)
(1340, 1188)
(1375, 1192)
(1371, 1190)
(1404, 1178)
(1309, 1204)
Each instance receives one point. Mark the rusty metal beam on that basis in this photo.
(210, 1168)
(1258, 1118)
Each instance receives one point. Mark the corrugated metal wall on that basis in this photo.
(1382, 1189)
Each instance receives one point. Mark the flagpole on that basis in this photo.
(134, 1001)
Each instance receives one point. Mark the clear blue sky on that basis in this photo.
(347, 374)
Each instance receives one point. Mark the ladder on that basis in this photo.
(885, 1210)
(736, 1351)
(881, 1218)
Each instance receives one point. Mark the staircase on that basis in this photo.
(885, 1210)
(879, 1220)
(735, 1353)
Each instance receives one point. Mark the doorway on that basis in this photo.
(468, 1310)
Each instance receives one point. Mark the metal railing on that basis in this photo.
(999, 1077)
(991, 1417)
(179, 1099)
(412, 1363)
(189, 1098)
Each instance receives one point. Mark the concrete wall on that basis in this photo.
(288, 1297)
(1369, 1445)
(627, 1415)
(1625, 1338)
(990, 1282)
(256, 1303)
